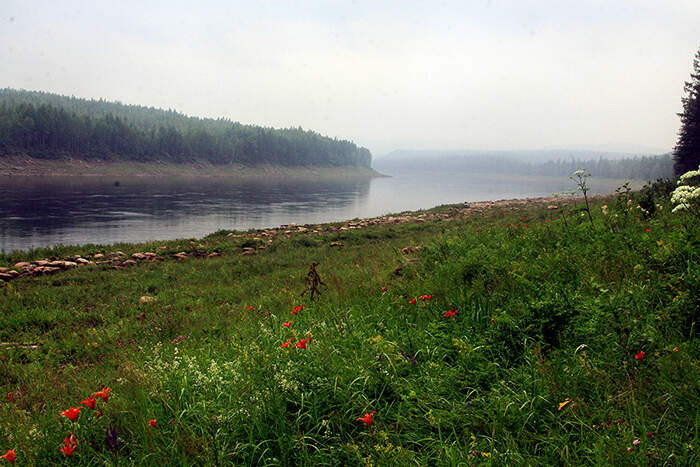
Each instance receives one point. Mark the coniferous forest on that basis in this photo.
(50, 126)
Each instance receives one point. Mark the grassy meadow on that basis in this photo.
(515, 335)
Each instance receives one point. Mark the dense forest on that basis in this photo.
(562, 163)
(45, 125)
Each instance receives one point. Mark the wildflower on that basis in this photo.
(250, 308)
(526, 225)
(112, 439)
(412, 301)
(450, 313)
(367, 418)
(604, 208)
(493, 320)
(152, 423)
(629, 449)
(648, 230)
(635, 442)
(69, 445)
(547, 220)
(104, 394)
(478, 229)
(523, 218)
(473, 453)
(425, 297)
(90, 402)
(412, 360)
(10, 456)
(72, 413)
(566, 402)
(302, 343)
(10, 397)
(179, 339)
(640, 356)
(675, 349)
(286, 344)
(287, 324)
(296, 310)
(384, 289)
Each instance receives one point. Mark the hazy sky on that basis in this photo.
(386, 74)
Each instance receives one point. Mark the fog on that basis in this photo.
(490, 75)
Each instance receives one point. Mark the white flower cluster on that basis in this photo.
(687, 194)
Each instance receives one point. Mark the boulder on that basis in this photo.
(98, 256)
(69, 265)
(552, 206)
(22, 264)
(6, 277)
(146, 299)
(181, 255)
(213, 254)
(336, 244)
(129, 262)
(82, 261)
(4, 269)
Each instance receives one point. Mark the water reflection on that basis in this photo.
(42, 212)
(47, 211)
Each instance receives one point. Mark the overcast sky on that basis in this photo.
(386, 74)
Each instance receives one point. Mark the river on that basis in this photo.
(46, 211)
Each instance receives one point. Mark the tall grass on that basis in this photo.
(573, 342)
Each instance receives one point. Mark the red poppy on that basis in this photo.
(90, 402)
(640, 356)
(412, 301)
(287, 324)
(367, 418)
(103, 394)
(546, 220)
(648, 230)
(384, 289)
(250, 308)
(69, 445)
(493, 320)
(152, 423)
(286, 344)
(450, 313)
(526, 225)
(478, 229)
(296, 310)
(10, 456)
(302, 343)
(523, 218)
(425, 297)
(72, 413)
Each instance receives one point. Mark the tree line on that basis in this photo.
(45, 125)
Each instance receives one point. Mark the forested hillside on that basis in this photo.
(44, 125)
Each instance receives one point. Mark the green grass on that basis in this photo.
(548, 312)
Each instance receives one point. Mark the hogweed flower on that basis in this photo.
(9, 456)
(72, 413)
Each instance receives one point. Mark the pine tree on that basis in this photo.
(687, 151)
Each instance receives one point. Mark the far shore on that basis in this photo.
(21, 166)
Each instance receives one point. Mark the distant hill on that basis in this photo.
(51, 126)
(557, 162)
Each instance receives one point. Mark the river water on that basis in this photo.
(46, 211)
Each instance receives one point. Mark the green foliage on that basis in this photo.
(686, 154)
(540, 364)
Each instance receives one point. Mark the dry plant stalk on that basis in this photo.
(313, 282)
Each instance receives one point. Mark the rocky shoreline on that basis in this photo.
(121, 260)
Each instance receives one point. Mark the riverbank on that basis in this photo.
(500, 333)
(26, 166)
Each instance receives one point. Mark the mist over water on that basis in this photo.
(40, 212)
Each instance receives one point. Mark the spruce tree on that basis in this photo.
(687, 151)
